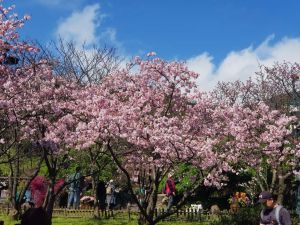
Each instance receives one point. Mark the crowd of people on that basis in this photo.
(76, 193)
(76, 186)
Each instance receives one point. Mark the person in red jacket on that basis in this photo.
(170, 190)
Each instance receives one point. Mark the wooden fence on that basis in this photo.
(181, 215)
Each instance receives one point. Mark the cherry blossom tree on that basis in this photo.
(275, 87)
(11, 78)
(33, 100)
(153, 119)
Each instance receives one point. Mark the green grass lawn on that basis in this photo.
(86, 221)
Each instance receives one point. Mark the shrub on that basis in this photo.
(244, 216)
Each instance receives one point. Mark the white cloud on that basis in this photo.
(84, 27)
(81, 26)
(240, 65)
(109, 36)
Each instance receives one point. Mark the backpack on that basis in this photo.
(277, 210)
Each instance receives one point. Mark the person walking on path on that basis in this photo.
(273, 213)
(170, 190)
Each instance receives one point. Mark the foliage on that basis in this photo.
(185, 176)
(245, 216)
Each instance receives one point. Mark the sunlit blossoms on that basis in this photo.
(150, 115)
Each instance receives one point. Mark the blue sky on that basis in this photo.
(220, 39)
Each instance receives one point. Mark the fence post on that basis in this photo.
(188, 214)
(112, 213)
(192, 214)
(128, 210)
(162, 212)
(7, 212)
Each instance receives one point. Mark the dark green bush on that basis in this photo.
(244, 216)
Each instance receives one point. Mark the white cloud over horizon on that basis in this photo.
(240, 65)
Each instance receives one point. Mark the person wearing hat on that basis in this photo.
(273, 213)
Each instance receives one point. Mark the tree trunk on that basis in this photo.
(49, 209)
(144, 217)
(149, 208)
(274, 178)
(281, 189)
(13, 186)
(142, 221)
(49, 201)
(281, 186)
(50, 198)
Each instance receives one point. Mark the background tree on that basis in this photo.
(81, 64)
(276, 87)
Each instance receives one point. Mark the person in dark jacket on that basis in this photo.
(273, 213)
(35, 216)
(101, 194)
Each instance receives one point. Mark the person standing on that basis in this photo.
(75, 189)
(273, 213)
(27, 197)
(170, 190)
(101, 194)
(110, 194)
